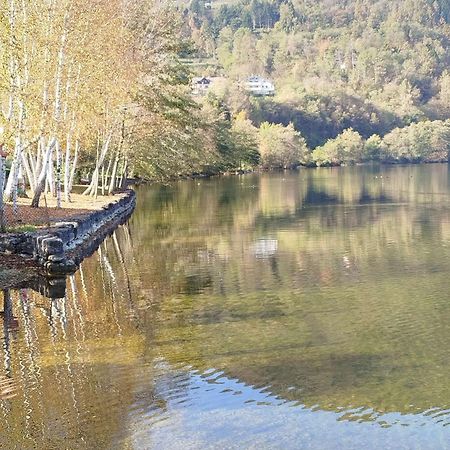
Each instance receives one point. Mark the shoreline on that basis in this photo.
(197, 176)
(56, 250)
(42, 257)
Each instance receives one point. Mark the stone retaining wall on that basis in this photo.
(58, 249)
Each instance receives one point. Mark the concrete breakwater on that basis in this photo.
(58, 249)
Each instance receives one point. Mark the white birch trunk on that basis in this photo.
(58, 175)
(67, 170)
(92, 188)
(123, 175)
(32, 161)
(74, 166)
(28, 171)
(50, 171)
(10, 181)
(15, 176)
(40, 185)
(2, 183)
(112, 183)
(40, 156)
(103, 179)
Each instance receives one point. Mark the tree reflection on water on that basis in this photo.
(322, 290)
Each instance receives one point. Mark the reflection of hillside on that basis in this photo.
(185, 237)
(338, 313)
(327, 288)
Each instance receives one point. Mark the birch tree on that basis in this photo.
(75, 73)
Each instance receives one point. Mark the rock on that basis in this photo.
(56, 258)
(52, 246)
(12, 242)
(71, 266)
(55, 268)
(60, 268)
(55, 282)
(49, 246)
(38, 244)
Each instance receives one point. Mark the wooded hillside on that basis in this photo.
(369, 65)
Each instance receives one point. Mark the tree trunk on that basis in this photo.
(93, 186)
(2, 183)
(12, 174)
(67, 170)
(112, 183)
(50, 172)
(28, 171)
(58, 175)
(43, 175)
(74, 166)
(123, 176)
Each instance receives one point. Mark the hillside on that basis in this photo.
(370, 65)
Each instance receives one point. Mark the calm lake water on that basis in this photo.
(297, 310)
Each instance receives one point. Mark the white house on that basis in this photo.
(200, 85)
(257, 85)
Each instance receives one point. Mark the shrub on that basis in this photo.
(346, 148)
(281, 146)
(427, 141)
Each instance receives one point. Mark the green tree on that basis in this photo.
(347, 148)
(288, 18)
(424, 141)
(444, 88)
(373, 148)
(281, 147)
(245, 141)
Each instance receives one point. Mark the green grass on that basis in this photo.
(21, 229)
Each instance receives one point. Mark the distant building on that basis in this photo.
(200, 85)
(257, 85)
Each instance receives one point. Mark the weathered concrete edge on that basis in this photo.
(58, 249)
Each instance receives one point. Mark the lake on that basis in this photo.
(289, 310)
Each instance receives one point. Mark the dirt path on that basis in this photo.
(48, 214)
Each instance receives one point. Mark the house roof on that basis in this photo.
(202, 80)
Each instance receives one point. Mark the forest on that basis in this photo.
(93, 91)
(355, 80)
(102, 91)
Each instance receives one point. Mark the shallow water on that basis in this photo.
(297, 310)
